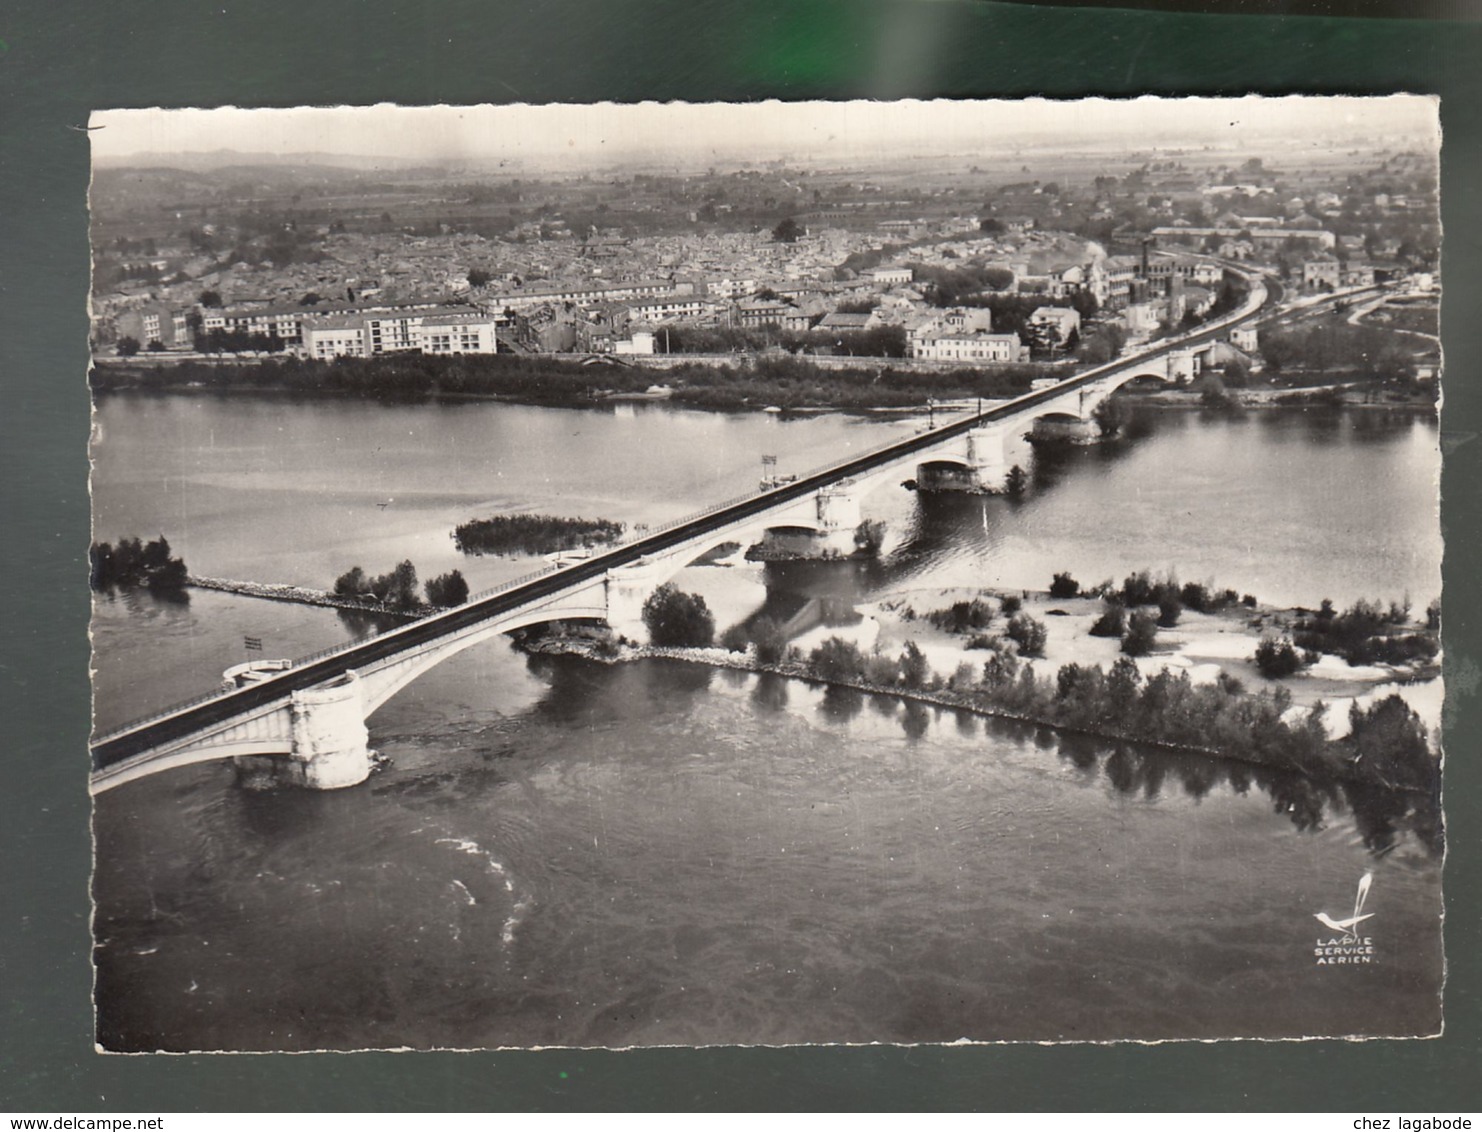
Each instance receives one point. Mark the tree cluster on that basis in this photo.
(396, 589)
(950, 286)
(1141, 634)
(789, 231)
(1101, 345)
(219, 340)
(764, 634)
(1389, 742)
(1124, 614)
(533, 534)
(1063, 585)
(676, 619)
(447, 590)
(1333, 347)
(1366, 633)
(135, 563)
(963, 616)
(1276, 658)
(1030, 635)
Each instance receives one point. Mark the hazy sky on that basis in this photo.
(609, 131)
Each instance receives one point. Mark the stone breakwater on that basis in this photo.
(300, 595)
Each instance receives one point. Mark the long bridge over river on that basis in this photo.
(304, 722)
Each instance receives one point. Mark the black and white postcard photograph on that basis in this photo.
(765, 574)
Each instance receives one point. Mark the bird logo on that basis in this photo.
(1346, 927)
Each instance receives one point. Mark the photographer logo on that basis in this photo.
(1347, 945)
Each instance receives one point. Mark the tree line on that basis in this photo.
(951, 286)
(879, 342)
(1387, 746)
(785, 381)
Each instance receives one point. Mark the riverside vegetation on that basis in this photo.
(782, 380)
(1388, 746)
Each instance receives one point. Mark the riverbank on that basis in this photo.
(1195, 681)
(792, 385)
(1346, 395)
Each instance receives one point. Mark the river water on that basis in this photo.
(566, 853)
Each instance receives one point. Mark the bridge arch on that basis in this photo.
(603, 600)
(385, 682)
(144, 766)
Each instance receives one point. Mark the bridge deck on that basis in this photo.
(180, 723)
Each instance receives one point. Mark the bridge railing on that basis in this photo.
(493, 591)
(163, 713)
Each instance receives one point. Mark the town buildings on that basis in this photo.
(1322, 273)
(964, 335)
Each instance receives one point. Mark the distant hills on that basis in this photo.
(219, 160)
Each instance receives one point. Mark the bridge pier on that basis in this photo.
(838, 512)
(823, 527)
(1065, 429)
(1183, 366)
(627, 588)
(983, 468)
(330, 742)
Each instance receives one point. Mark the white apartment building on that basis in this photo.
(590, 293)
(890, 276)
(970, 346)
(463, 332)
(676, 307)
(445, 330)
(334, 336)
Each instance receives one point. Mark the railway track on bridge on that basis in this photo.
(184, 720)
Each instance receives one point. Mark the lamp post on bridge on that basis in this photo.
(769, 472)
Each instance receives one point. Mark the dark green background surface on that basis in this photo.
(58, 61)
